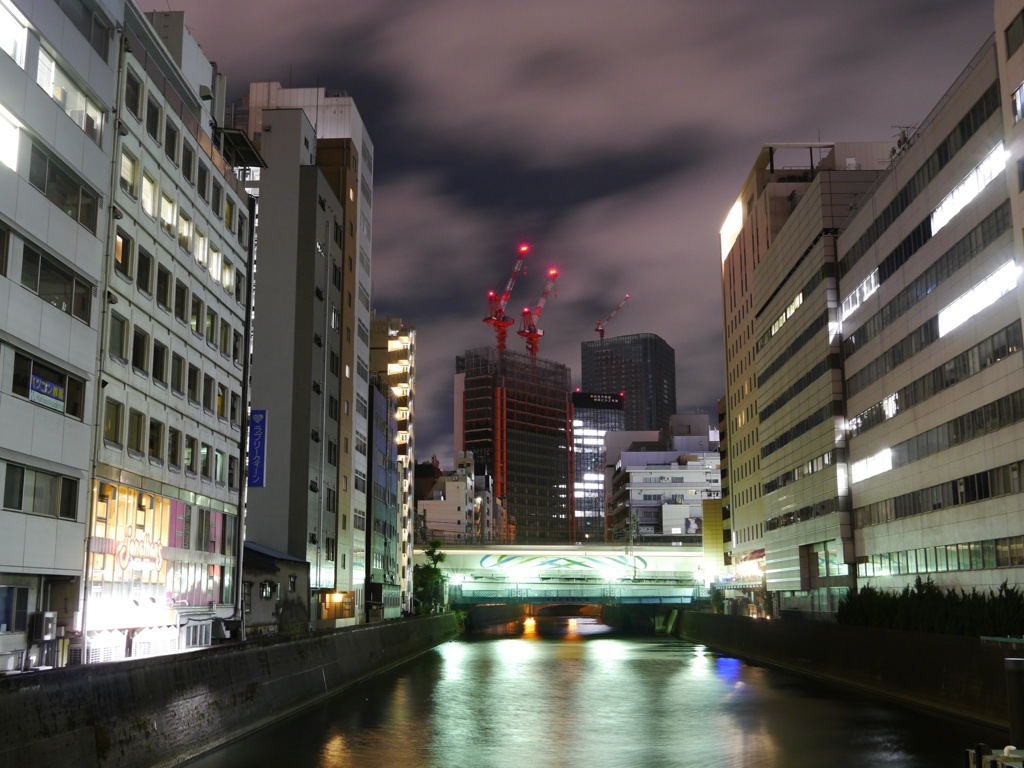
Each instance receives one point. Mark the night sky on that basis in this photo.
(614, 137)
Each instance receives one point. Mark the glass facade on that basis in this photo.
(642, 367)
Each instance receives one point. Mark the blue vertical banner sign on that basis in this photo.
(257, 448)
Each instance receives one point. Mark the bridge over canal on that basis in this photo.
(601, 574)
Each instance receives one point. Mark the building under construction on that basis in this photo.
(514, 413)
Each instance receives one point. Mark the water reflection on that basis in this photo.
(558, 693)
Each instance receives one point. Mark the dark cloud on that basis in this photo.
(614, 136)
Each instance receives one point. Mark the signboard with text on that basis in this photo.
(257, 448)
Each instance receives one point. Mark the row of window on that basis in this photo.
(797, 473)
(151, 438)
(35, 492)
(831, 362)
(177, 224)
(149, 356)
(969, 362)
(809, 512)
(49, 279)
(990, 484)
(970, 556)
(802, 427)
(969, 246)
(896, 355)
(63, 187)
(165, 133)
(978, 114)
(187, 308)
(817, 325)
(985, 420)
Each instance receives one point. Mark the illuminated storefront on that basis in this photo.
(160, 571)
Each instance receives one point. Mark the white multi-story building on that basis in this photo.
(162, 552)
(58, 75)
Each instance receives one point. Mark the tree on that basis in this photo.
(428, 581)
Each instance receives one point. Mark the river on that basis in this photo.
(561, 693)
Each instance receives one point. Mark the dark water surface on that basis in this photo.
(565, 692)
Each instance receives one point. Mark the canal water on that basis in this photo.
(562, 693)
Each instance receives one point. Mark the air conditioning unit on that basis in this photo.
(44, 626)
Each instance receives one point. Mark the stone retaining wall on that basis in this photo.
(959, 676)
(165, 710)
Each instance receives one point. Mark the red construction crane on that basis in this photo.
(528, 325)
(496, 316)
(601, 323)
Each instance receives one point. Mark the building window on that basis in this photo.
(203, 181)
(133, 94)
(118, 338)
(220, 467)
(236, 347)
(163, 288)
(208, 390)
(236, 409)
(156, 441)
(206, 461)
(229, 213)
(13, 36)
(113, 423)
(233, 472)
(129, 175)
(40, 493)
(13, 600)
(196, 316)
(184, 232)
(227, 276)
(167, 219)
(181, 301)
(123, 248)
(136, 432)
(215, 263)
(177, 374)
(174, 448)
(202, 249)
(62, 188)
(225, 338)
(140, 351)
(48, 386)
(332, 453)
(153, 119)
(84, 111)
(211, 327)
(188, 161)
(52, 283)
(89, 23)
(217, 198)
(239, 284)
(191, 454)
(193, 384)
(144, 272)
(159, 363)
(148, 195)
(1015, 35)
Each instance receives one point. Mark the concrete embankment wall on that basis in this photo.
(959, 676)
(163, 711)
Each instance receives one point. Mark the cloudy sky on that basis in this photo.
(612, 136)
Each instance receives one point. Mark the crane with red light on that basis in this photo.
(496, 316)
(528, 325)
(599, 327)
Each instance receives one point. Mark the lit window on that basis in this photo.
(981, 296)
(202, 248)
(215, 262)
(13, 35)
(129, 174)
(149, 196)
(9, 135)
(184, 232)
(971, 186)
(167, 221)
(79, 107)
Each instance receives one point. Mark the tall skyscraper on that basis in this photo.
(641, 366)
(789, 494)
(594, 415)
(513, 412)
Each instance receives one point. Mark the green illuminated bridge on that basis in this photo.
(605, 574)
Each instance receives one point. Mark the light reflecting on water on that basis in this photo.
(561, 693)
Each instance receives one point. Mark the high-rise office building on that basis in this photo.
(393, 354)
(789, 496)
(513, 412)
(383, 574)
(315, 268)
(640, 366)
(594, 415)
(930, 285)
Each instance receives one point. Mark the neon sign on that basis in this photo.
(142, 554)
